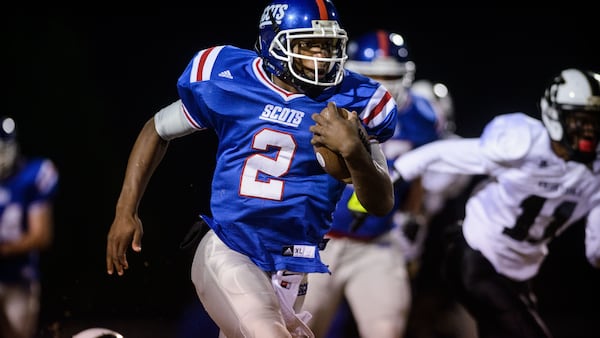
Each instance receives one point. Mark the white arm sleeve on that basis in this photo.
(592, 237)
(171, 122)
(377, 155)
(454, 156)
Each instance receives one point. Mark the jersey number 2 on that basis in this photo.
(269, 188)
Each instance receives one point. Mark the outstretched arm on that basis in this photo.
(126, 229)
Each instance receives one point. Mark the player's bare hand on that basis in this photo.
(125, 231)
(334, 131)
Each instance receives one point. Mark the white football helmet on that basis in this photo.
(574, 91)
(441, 100)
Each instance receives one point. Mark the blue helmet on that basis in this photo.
(379, 53)
(384, 55)
(285, 24)
(9, 149)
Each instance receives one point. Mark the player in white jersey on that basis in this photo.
(544, 177)
(271, 201)
(28, 186)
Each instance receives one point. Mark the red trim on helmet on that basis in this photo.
(383, 42)
(322, 10)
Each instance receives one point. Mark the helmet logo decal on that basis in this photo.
(273, 14)
(276, 12)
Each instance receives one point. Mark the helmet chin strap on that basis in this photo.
(306, 88)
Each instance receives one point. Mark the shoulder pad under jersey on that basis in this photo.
(508, 137)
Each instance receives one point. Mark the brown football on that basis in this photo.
(332, 162)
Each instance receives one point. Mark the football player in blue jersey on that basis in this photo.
(271, 202)
(28, 187)
(434, 311)
(544, 177)
(365, 251)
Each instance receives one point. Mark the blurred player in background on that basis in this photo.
(434, 311)
(364, 252)
(544, 176)
(27, 189)
(271, 201)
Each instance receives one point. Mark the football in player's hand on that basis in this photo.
(332, 162)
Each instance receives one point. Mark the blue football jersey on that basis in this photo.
(270, 199)
(417, 125)
(35, 181)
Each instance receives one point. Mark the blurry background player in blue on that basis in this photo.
(271, 201)
(27, 189)
(364, 253)
(434, 311)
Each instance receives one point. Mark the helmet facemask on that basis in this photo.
(297, 49)
(397, 85)
(582, 133)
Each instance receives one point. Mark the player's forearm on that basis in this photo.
(22, 246)
(451, 156)
(371, 180)
(147, 152)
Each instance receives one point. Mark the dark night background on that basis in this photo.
(81, 84)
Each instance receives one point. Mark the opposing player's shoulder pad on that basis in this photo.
(508, 137)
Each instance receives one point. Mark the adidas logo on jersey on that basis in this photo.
(304, 251)
(226, 74)
(288, 251)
